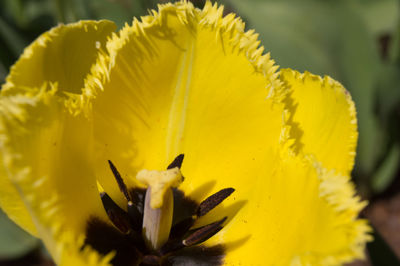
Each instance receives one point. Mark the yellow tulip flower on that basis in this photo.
(91, 122)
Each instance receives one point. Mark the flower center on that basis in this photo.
(157, 228)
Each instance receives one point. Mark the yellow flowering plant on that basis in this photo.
(177, 141)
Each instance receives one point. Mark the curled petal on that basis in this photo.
(63, 55)
(34, 122)
(322, 119)
(47, 155)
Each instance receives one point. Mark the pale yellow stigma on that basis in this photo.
(160, 182)
(159, 204)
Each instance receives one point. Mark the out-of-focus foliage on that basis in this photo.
(14, 241)
(355, 41)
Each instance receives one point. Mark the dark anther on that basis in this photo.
(136, 217)
(135, 207)
(117, 215)
(177, 162)
(120, 181)
(212, 201)
(137, 196)
(201, 234)
(171, 246)
(181, 228)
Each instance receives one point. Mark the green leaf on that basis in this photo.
(380, 16)
(16, 9)
(3, 73)
(119, 11)
(386, 173)
(388, 91)
(14, 241)
(13, 40)
(24, 13)
(288, 31)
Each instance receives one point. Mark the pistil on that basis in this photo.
(159, 205)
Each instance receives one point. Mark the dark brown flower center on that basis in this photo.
(124, 234)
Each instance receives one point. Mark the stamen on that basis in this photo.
(177, 162)
(136, 208)
(120, 182)
(136, 216)
(214, 200)
(117, 215)
(137, 196)
(203, 233)
(181, 228)
(171, 246)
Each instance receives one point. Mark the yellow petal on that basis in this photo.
(63, 55)
(47, 153)
(323, 119)
(185, 81)
(72, 253)
(301, 214)
(11, 203)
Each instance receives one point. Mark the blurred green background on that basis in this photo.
(354, 41)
